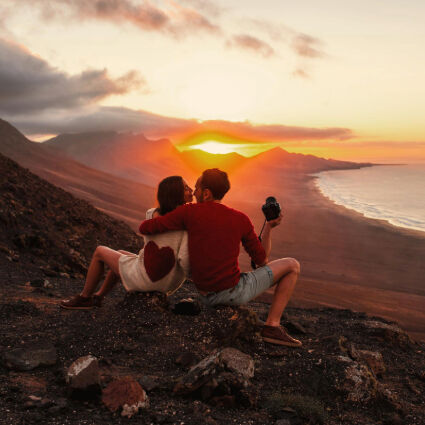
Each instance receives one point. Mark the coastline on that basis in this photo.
(347, 259)
(360, 216)
(385, 222)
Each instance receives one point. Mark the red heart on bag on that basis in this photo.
(158, 261)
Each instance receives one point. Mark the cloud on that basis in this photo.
(98, 118)
(101, 118)
(174, 19)
(28, 83)
(251, 43)
(304, 45)
(275, 133)
(300, 73)
(307, 46)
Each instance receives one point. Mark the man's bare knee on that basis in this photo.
(295, 266)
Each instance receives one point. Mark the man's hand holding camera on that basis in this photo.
(275, 222)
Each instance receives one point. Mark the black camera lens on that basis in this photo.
(271, 209)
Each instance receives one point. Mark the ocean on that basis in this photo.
(395, 193)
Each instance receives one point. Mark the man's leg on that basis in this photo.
(285, 275)
(102, 255)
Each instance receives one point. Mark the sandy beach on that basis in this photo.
(347, 260)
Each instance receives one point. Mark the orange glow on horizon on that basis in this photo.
(218, 143)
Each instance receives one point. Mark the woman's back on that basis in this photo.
(162, 265)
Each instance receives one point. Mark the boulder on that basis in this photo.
(373, 359)
(358, 382)
(220, 378)
(390, 333)
(83, 375)
(30, 356)
(125, 393)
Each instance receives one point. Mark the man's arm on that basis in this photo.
(253, 246)
(174, 220)
(266, 239)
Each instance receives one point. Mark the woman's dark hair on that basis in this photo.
(170, 194)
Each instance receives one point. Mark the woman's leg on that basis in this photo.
(102, 255)
(110, 280)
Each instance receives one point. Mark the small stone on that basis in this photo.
(83, 375)
(188, 307)
(186, 359)
(30, 356)
(63, 274)
(283, 422)
(127, 394)
(149, 383)
(47, 284)
(48, 271)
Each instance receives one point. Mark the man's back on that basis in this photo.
(215, 232)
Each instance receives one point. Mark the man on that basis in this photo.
(215, 232)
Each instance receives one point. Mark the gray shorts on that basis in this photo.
(249, 286)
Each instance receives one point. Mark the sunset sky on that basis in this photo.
(342, 79)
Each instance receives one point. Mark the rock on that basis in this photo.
(188, 307)
(243, 325)
(225, 372)
(358, 382)
(149, 383)
(283, 422)
(186, 359)
(83, 376)
(48, 271)
(47, 284)
(373, 359)
(236, 361)
(127, 394)
(30, 356)
(391, 333)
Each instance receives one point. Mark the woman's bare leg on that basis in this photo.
(102, 255)
(110, 280)
(285, 274)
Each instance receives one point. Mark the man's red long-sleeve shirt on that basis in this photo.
(215, 233)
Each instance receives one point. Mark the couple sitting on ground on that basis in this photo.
(206, 236)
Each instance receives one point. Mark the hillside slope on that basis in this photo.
(120, 198)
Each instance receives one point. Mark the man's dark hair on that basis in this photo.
(216, 181)
(170, 194)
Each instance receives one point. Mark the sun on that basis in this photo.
(211, 146)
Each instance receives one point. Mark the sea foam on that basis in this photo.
(393, 193)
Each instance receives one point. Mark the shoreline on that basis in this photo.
(347, 260)
(358, 215)
(384, 222)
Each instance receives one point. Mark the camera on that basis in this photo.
(271, 209)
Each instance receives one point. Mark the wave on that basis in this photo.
(341, 193)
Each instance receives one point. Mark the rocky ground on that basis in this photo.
(173, 361)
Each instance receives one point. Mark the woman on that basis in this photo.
(162, 265)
